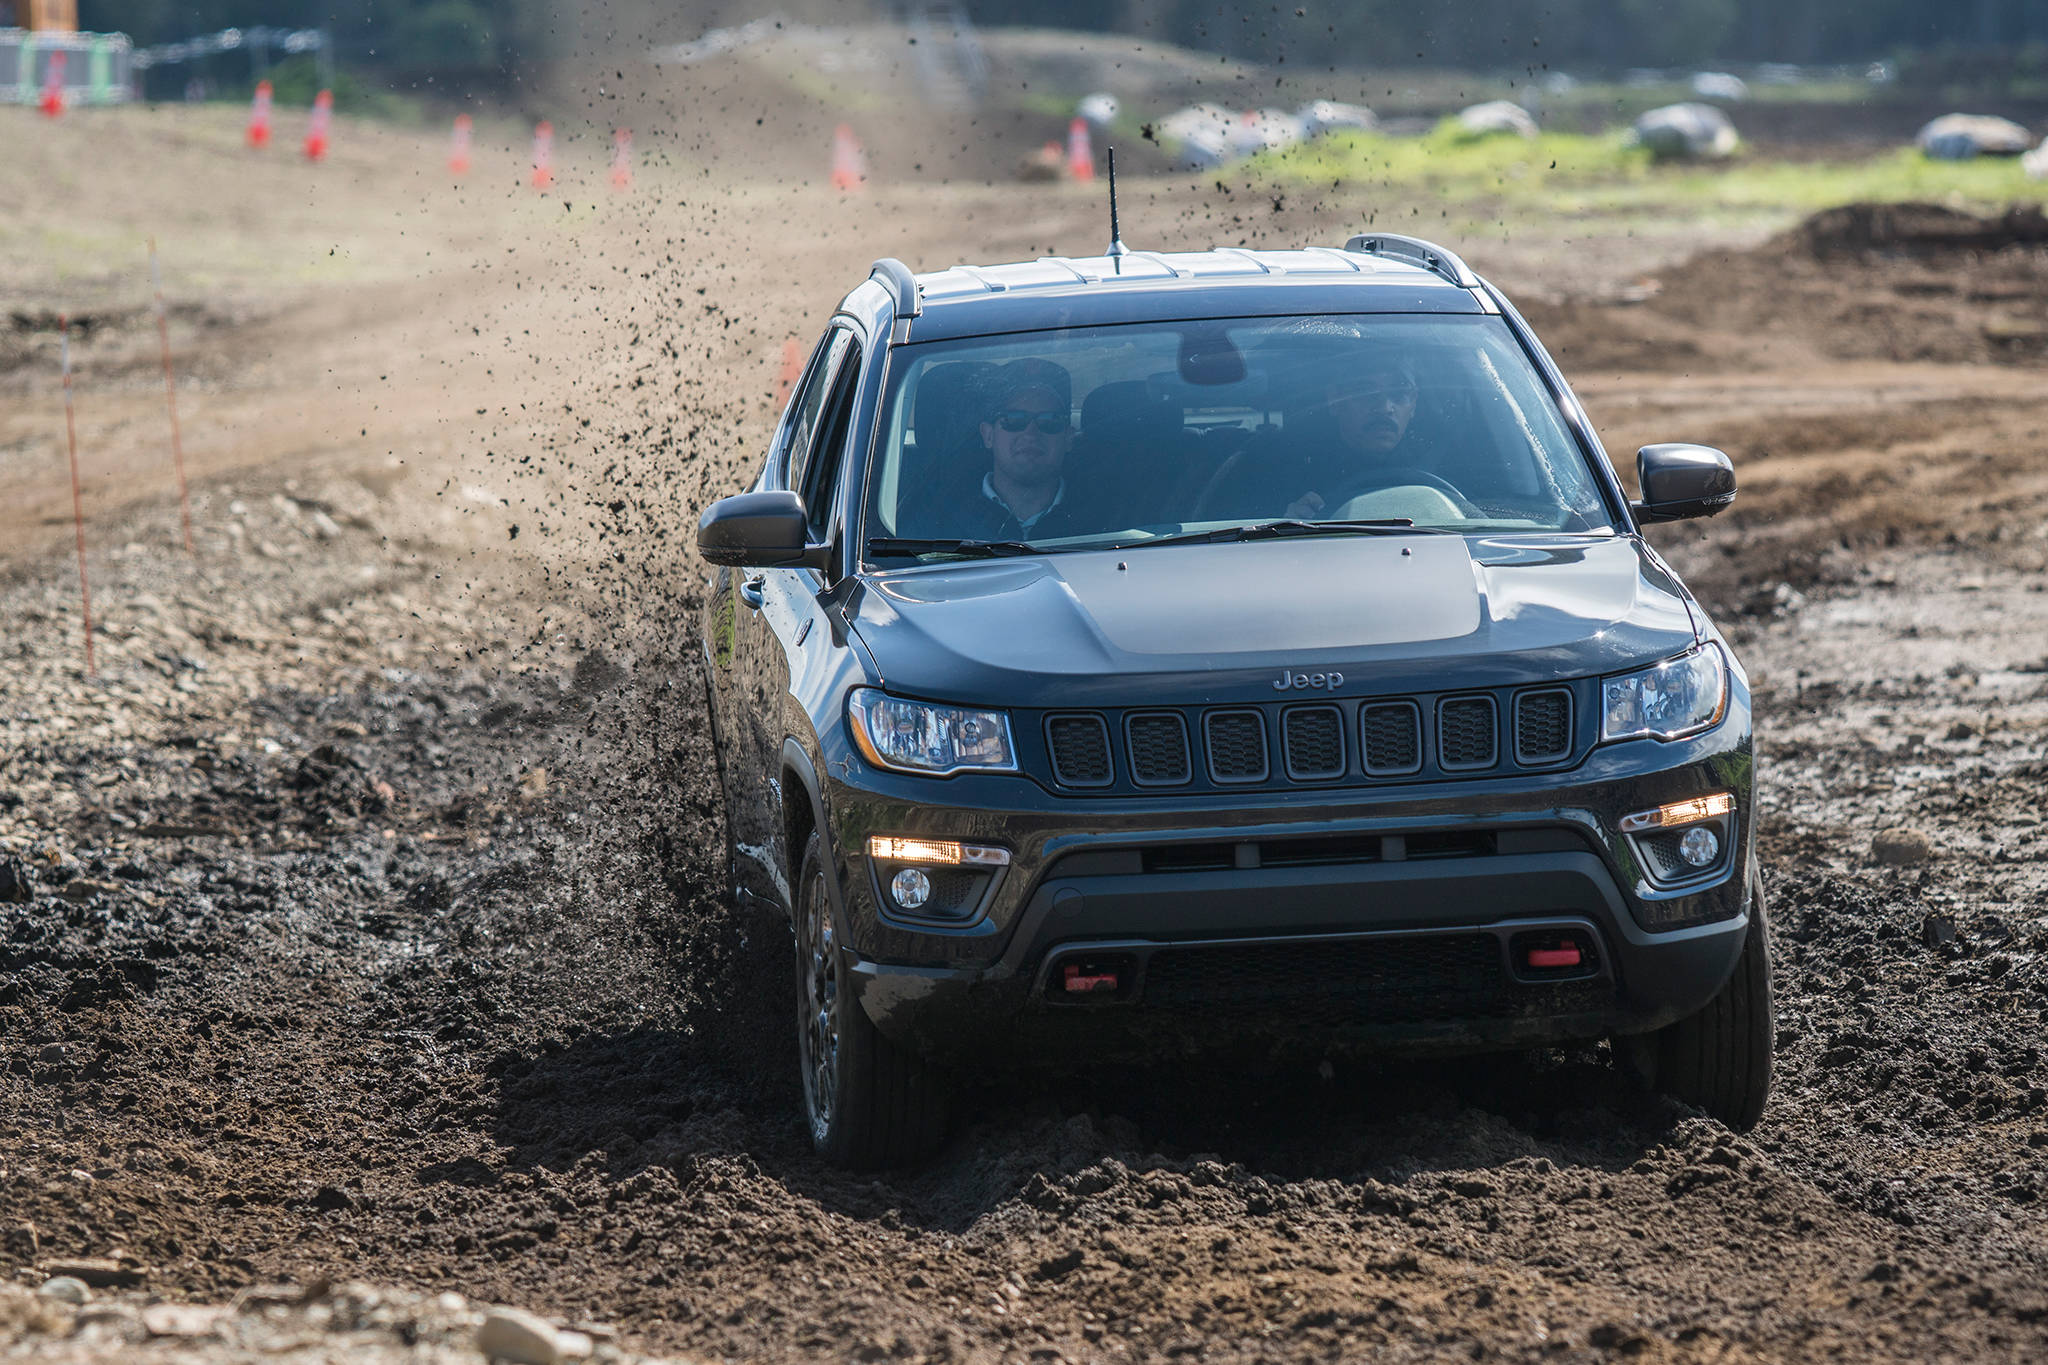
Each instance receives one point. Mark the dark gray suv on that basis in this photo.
(1157, 652)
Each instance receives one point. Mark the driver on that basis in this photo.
(1372, 404)
(1028, 429)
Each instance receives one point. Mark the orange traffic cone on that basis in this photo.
(52, 102)
(458, 147)
(317, 130)
(792, 370)
(622, 159)
(1080, 156)
(259, 116)
(849, 168)
(543, 154)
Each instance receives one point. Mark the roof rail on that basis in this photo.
(1428, 255)
(901, 284)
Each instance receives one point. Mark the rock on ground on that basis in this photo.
(1901, 847)
(1959, 137)
(1686, 132)
(1496, 118)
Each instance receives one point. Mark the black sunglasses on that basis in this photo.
(1016, 419)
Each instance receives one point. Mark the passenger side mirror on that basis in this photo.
(1681, 481)
(759, 531)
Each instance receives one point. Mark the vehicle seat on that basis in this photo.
(1131, 450)
(947, 459)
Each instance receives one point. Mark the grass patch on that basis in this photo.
(1573, 173)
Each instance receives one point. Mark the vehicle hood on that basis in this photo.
(1197, 624)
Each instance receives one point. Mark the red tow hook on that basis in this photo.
(1078, 980)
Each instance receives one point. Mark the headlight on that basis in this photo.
(919, 737)
(1680, 696)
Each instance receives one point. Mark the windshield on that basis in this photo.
(1132, 434)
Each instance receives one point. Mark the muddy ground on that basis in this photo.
(374, 923)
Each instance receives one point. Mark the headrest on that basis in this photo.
(948, 401)
(1129, 408)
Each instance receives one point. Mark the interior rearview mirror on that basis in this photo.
(1680, 481)
(759, 531)
(1208, 357)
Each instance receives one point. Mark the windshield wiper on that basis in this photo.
(966, 549)
(1273, 530)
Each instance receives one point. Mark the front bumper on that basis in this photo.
(1389, 916)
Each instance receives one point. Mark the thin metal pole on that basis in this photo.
(163, 333)
(1117, 249)
(77, 503)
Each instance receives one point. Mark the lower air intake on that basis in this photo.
(1441, 976)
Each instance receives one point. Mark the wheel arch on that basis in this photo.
(803, 810)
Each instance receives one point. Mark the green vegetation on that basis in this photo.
(295, 80)
(1574, 173)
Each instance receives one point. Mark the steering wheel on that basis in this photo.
(1402, 476)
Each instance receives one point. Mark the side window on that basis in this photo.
(805, 414)
(802, 403)
(821, 470)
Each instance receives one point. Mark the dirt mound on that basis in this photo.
(1901, 282)
(1924, 228)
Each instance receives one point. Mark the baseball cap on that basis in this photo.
(1021, 376)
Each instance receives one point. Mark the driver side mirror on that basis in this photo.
(759, 531)
(1680, 481)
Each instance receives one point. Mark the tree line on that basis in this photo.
(1612, 34)
(452, 35)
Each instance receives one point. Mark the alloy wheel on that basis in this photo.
(818, 1006)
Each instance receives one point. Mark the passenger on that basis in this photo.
(1028, 430)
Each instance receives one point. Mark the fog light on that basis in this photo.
(1699, 846)
(911, 888)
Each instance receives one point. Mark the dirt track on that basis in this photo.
(377, 928)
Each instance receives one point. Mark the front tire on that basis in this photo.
(1720, 1059)
(867, 1102)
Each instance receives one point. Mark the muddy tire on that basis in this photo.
(1720, 1059)
(867, 1102)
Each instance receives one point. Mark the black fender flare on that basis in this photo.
(798, 770)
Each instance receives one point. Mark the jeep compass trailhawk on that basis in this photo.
(1161, 651)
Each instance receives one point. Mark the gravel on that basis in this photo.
(317, 1324)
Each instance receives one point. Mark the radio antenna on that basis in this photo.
(1117, 249)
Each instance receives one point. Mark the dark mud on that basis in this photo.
(427, 976)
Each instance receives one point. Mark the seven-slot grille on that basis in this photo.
(1080, 750)
(1312, 741)
(1543, 726)
(1232, 746)
(1159, 748)
(1237, 745)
